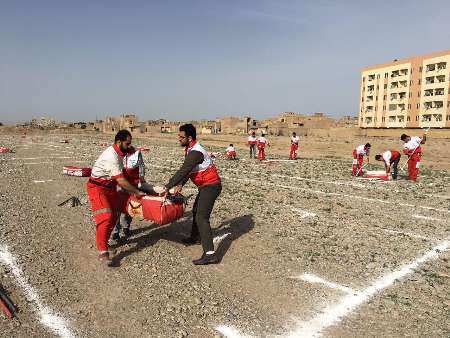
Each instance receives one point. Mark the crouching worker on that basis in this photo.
(230, 152)
(198, 167)
(358, 158)
(106, 201)
(134, 172)
(390, 159)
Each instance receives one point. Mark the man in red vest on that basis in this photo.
(134, 172)
(199, 167)
(106, 201)
(390, 159)
(294, 146)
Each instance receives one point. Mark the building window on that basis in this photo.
(384, 96)
(420, 81)
(408, 118)
(417, 117)
(448, 118)
(384, 119)
(378, 87)
(418, 94)
(385, 86)
(378, 76)
(410, 82)
(364, 78)
(420, 69)
(376, 98)
(386, 75)
(410, 94)
(418, 105)
(409, 106)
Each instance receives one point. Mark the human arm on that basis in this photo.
(424, 138)
(141, 168)
(192, 159)
(123, 183)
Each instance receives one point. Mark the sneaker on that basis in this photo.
(126, 232)
(206, 259)
(116, 237)
(191, 240)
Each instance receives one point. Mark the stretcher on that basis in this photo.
(76, 171)
(375, 175)
(160, 210)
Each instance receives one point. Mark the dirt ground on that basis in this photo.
(306, 250)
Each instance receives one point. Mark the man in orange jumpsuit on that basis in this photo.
(413, 149)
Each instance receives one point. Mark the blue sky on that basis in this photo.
(182, 60)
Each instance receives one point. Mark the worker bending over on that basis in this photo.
(390, 159)
(358, 158)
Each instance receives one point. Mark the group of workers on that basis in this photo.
(119, 172)
(391, 158)
(261, 142)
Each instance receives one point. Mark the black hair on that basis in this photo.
(189, 130)
(122, 135)
(403, 137)
(368, 145)
(231, 144)
(294, 133)
(378, 157)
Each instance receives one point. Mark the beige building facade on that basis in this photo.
(408, 93)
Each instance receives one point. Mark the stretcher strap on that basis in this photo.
(103, 211)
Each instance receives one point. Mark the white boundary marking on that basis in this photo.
(337, 194)
(427, 218)
(47, 317)
(218, 239)
(311, 278)
(42, 181)
(334, 313)
(304, 213)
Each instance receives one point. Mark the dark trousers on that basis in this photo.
(394, 166)
(252, 150)
(203, 206)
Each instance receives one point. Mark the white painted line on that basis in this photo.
(230, 332)
(40, 158)
(409, 234)
(427, 218)
(304, 213)
(218, 239)
(47, 317)
(368, 199)
(334, 313)
(311, 278)
(277, 160)
(42, 181)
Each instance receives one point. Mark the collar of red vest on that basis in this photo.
(191, 145)
(118, 151)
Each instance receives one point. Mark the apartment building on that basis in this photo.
(408, 93)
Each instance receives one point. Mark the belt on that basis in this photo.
(107, 186)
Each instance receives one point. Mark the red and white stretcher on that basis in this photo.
(375, 175)
(159, 210)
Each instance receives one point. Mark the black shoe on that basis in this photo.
(191, 240)
(126, 232)
(206, 259)
(116, 237)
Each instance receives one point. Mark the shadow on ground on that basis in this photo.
(176, 232)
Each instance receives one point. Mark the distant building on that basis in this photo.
(408, 93)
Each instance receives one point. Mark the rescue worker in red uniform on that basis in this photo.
(106, 201)
(294, 146)
(391, 158)
(199, 167)
(251, 141)
(413, 149)
(134, 172)
(230, 152)
(261, 144)
(358, 158)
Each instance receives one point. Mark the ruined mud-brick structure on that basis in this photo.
(125, 121)
(238, 125)
(288, 122)
(159, 126)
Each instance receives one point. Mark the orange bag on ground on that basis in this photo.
(159, 210)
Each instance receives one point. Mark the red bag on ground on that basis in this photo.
(159, 210)
(76, 171)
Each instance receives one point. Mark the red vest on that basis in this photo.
(205, 173)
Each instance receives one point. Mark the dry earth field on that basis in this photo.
(306, 251)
